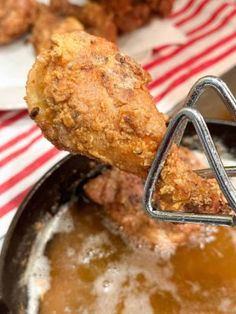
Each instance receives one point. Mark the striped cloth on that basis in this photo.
(210, 27)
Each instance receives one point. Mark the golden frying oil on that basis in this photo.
(94, 271)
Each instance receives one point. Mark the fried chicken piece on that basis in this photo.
(84, 88)
(131, 14)
(47, 24)
(161, 7)
(16, 17)
(60, 6)
(128, 14)
(120, 195)
(97, 21)
(92, 15)
(90, 99)
(138, 16)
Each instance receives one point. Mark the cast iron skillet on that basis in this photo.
(52, 190)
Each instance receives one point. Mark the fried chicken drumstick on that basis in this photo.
(120, 194)
(90, 99)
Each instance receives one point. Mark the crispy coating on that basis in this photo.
(16, 17)
(120, 194)
(90, 99)
(92, 15)
(179, 188)
(48, 23)
(93, 100)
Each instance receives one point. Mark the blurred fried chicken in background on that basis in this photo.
(161, 7)
(16, 17)
(127, 14)
(92, 15)
(99, 17)
(131, 14)
(48, 23)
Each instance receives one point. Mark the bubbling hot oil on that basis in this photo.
(94, 271)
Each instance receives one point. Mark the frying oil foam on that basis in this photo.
(121, 282)
(37, 275)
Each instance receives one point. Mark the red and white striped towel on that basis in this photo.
(210, 27)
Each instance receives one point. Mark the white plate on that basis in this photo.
(15, 62)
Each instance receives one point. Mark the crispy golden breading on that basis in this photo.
(90, 99)
(92, 15)
(16, 17)
(120, 195)
(47, 23)
(179, 188)
(187, 156)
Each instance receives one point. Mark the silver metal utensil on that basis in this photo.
(174, 134)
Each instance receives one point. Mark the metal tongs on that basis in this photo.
(174, 134)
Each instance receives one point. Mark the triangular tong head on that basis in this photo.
(174, 134)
